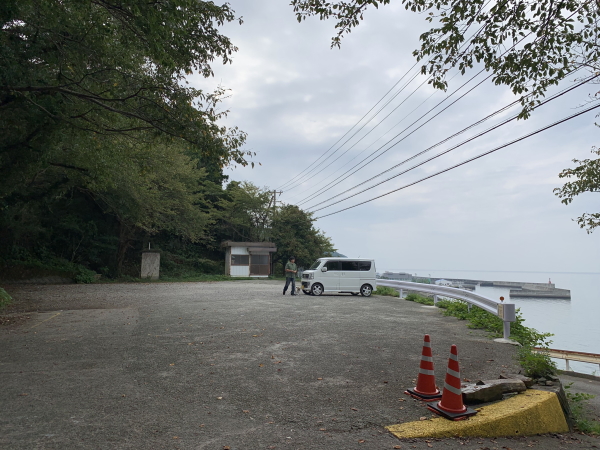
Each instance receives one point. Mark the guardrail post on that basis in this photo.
(469, 307)
(435, 300)
(401, 294)
(506, 334)
(567, 366)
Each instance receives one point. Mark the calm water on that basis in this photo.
(575, 323)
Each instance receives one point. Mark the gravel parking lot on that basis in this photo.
(227, 365)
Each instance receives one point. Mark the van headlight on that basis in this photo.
(311, 276)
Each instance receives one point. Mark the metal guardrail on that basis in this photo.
(569, 355)
(506, 311)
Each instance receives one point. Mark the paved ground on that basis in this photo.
(230, 365)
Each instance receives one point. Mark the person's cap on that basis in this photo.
(292, 257)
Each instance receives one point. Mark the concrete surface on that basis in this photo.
(227, 365)
(532, 412)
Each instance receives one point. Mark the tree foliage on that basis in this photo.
(103, 143)
(294, 233)
(586, 179)
(110, 67)
(527, 45)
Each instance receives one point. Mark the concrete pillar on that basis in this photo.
(150, 264)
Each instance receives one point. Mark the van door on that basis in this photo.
(331, 278)
(350, 276)
(367, 273)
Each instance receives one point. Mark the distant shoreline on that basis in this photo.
(495, 271)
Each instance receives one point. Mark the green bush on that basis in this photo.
(384, 290)
(5, 299)
(412, 297)
(536, 365)
(84, 276)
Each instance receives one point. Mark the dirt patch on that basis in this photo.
(7, 320)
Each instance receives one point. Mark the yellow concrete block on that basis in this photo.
(529, 413)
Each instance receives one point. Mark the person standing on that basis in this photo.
(290, 275)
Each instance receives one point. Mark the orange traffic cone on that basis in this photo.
(452, 406)
(426, 389)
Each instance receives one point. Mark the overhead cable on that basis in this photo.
(488, 130)
(481, 155)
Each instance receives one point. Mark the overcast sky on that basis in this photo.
(295, 97)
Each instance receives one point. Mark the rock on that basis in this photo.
(475, 393)
(508, 385)
(528, 381)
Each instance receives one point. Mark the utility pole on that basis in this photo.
(274, 198)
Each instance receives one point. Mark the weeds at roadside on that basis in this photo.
(535, 365)
(387, 291)
(412, 297)
(579, 404)
(5, 299)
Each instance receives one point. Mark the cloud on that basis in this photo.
(296, 97)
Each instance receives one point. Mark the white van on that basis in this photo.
(344, 275)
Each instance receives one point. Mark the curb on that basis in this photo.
(532, 412)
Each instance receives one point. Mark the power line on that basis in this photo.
(514, 141)
(388, 102)
(311, 176)
(353, 126)
(317, 194)
(549, 99)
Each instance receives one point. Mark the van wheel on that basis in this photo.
(366, 290)
(316, 289)
(355, 293)
(307, 292)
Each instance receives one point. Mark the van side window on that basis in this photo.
(332, 265)
(364, 266)
(350, 265)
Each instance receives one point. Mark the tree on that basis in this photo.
(74, 70)
(245, 212)
(528, 45)
(101, 136)
(294, 234)
(587, 179)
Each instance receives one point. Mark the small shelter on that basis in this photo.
(248, 259)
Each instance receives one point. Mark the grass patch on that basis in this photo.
(387, 291)
(417, 298)
(5, 299)
(579, 404)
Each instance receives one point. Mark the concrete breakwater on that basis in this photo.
(549, 293)
(518, 289)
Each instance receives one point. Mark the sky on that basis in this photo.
(296, 97)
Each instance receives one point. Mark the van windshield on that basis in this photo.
(316, 264)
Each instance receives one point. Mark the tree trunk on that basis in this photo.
(125, 238)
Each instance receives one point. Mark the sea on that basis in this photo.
(574, 323)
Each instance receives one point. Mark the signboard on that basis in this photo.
(506, 311)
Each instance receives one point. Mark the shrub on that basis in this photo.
(384, 290)
(535, 365)
(84, 276)
(5, 299)
(417, 298)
